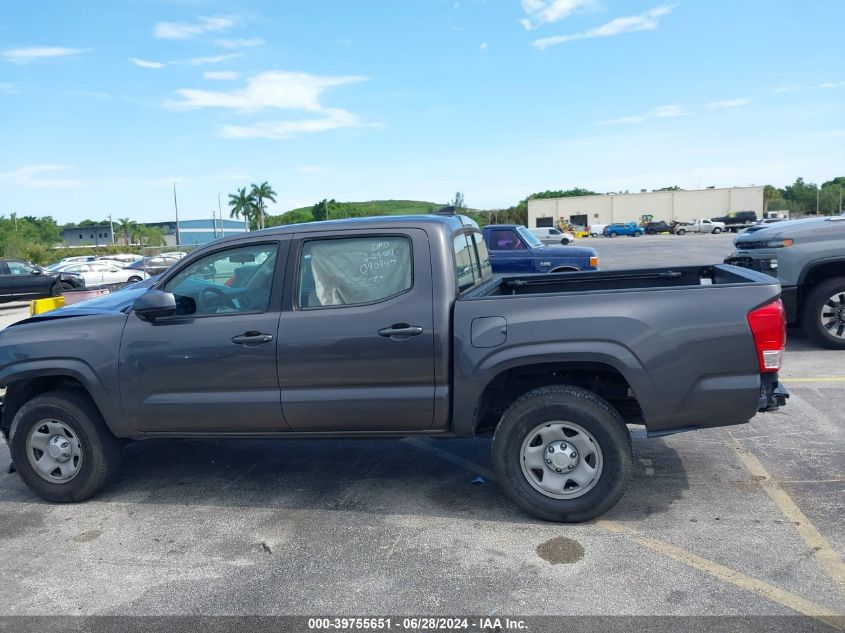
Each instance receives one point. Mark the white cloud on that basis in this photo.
(483, 46)
(669, 111)
(240, 43)
(143, 63)
(8, 89)
(540, 12)
(30, 176)
(34, 53)
(211, 59)
(220, 75)
(727, 105)
(648, 21)
(187, 30)
(833, 84)
(331, 119)
(622, 120)
(268, 90)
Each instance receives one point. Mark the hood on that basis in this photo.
(112, 303)
(556, 250)
(791, 229)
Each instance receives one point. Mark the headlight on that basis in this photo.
(778, 243)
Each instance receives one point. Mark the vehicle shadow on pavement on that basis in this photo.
(370, 476)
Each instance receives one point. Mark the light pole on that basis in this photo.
(176, 208)
(220, 215)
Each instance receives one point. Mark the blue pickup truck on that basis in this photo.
(514, 249)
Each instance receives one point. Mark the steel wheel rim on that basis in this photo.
(561, 459)
(833, 315)
(54, 451)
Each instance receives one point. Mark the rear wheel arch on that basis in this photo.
(564, 269)
(508, 385)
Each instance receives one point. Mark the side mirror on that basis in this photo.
(36, 271)
(154, 304)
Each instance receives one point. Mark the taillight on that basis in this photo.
(768, 325)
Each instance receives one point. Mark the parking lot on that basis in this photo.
(735, 521)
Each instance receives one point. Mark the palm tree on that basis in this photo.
(242, 203)
(127, 227)
(261, 193)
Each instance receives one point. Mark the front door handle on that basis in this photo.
(400, 331)
(250, 339)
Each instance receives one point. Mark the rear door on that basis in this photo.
(356, 340)
(6, 291)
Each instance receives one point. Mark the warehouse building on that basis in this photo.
(670, 206)
(198, 231)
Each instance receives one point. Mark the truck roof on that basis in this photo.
(453, 222)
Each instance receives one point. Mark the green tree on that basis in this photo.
(770, 194)
(261, 193)
(126, 227)
(242, 204)
(458, 201)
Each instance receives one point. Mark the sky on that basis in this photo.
(105, 104)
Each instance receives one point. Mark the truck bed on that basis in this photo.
(680, 337)
(641, 279)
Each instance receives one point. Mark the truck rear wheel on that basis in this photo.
(716, 230)
(823, 314)
(562, 454)
(61, 447)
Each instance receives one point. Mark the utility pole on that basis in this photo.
(111, 228)
(818, 192)
(220, 215)
(214, 222)
(176, 208)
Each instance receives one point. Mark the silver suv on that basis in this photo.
(808, 257)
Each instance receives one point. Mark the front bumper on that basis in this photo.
(773, 394)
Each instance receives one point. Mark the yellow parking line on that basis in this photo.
(824, 553)
(815, 379)
(738, 579)
(761, 588)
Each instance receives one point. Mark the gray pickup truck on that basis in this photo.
(393, 327)
(808, 257)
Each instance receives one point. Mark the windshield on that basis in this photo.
(532, 240)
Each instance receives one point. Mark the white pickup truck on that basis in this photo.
(700, 225)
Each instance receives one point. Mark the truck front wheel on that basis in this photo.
(823, 316)
(562, 454)
(61, 447)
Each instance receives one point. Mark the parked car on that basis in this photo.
(514, 249)
(629, 228)
(596, 230)
(552, 236)
(391, 327)
(153, 265)
(101, 273)
(71, 260)
(120, 259)
(23, 281)
(700, 225)
(808, 257)
(653, 228)
(737, 220)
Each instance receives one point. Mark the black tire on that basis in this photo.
(717, 230)
(134, 280)
(565, 241)
(573, 404)
(101, 451)
(681, 231)
(651, 232)
(56, 289)
(638, 233)
(66, 286)
(612, 234)
(811, 312)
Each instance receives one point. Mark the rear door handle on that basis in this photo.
(251, 339)
(400, 331)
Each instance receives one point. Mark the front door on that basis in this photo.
(509, 253)
(356, 346)
(211, 367)
(27, 281)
